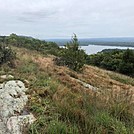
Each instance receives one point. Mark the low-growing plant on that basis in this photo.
(6, 55)
(59, 127)
(28, 68)
(108, 124)
(121, 78)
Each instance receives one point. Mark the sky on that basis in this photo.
(46, 19)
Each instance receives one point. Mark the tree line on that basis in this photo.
(121, 61)
(30, 43)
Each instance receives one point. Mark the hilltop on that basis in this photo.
(64, 101)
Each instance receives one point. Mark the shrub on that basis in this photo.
(6, 54)
(72, 56)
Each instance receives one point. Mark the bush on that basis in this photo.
(72, 56)
(126, 68)
(6, 54)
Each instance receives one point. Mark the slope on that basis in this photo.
(63, 101)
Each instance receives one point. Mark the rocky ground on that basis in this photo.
(13, 118)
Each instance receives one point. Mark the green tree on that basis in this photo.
(72, 55)
(127, 64)
(6, 54)
(126, 68)
(128, 56)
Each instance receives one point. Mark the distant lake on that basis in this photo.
(93, 49)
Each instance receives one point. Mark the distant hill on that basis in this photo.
(122, 41)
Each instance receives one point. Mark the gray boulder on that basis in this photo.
(12, 102)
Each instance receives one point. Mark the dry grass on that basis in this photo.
(54, 95)
(97, 77)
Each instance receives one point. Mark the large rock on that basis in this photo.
(12, 102)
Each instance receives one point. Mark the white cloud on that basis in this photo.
(61, 18)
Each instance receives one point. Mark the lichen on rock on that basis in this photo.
(12, 102)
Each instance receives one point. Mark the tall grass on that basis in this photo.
(99, 114)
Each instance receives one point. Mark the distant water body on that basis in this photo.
(93, 49)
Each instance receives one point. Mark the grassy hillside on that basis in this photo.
(94, 101)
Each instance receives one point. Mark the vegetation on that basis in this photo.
(31, 43)
(121, 78)
(6, 54)
(72, 56)
(62, 105)
(121, 61)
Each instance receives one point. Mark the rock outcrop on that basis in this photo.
(86, 85)
(12, 102)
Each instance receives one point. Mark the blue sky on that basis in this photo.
(61, 18)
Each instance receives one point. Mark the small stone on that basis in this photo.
(7, 77)
(10, 77)
(3, 76)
